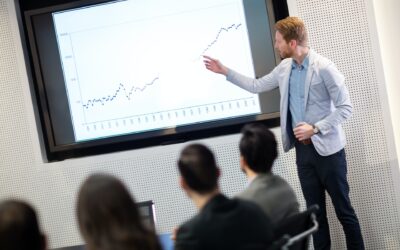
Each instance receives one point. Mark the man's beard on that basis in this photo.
(286, 54)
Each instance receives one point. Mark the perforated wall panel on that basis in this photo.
(338, 30)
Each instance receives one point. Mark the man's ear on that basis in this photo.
(243, 163)
(293, 43)
(183, 183)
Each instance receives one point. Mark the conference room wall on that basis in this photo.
(344, 31)
(388, 33)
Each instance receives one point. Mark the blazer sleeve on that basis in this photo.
(334, 82)
(265, 83)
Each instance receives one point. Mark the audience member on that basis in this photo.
(109, 218)
(258, 151)
(19, 227)
(221, 223)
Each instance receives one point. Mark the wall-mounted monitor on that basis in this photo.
(115, 75)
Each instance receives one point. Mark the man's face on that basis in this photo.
(283, 48)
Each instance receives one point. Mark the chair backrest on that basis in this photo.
(294, 232)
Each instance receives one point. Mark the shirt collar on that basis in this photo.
(304, 64)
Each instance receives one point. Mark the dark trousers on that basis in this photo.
(328, 173)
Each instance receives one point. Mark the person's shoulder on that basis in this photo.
(249, 205)
(280, 182)
(285, 62)
(186, 236)
(319, 61)
(246, 194)
(189, 226)
(278, 178)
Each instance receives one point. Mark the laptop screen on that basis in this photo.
(165, 241)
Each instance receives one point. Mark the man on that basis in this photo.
(221, 223)
(258, 151)
(314, 103)
(19, 227)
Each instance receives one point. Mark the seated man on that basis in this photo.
(222, 223)
(19, 227)
(258, 151)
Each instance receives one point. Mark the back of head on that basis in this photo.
(258, 147)
(293, 28)
(19, 228)
(198, 168)
(109, 218)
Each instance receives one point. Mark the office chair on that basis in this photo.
(294, 232)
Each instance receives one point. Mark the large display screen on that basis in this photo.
(143, 65)
(121, 71)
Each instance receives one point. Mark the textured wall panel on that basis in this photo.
(338, 30)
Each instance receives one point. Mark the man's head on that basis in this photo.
(290, 33)
(198, 169)
(258, 148)
(19, 227)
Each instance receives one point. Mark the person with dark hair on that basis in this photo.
(221, 223)
(108, 217)
(258, 151)
(314, 103)
(19, 227)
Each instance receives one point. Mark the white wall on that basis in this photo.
(388, 30)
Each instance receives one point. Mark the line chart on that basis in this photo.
(227, 29)
(134, 72)
(121, 89)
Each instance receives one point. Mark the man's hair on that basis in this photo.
(258, 147)
(19, 227)
(108, 217)
(293, 28)
(198, 168)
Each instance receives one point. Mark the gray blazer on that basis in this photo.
(273, 194)
(327, 102)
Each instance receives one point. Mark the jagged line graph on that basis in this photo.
(121, 88)
(110, 98)
(227, 29)
(119, 106)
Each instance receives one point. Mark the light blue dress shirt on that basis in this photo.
(296, 91)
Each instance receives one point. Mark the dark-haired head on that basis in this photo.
(109, 218)
(258, 147)
(19, 227)
(198, 168)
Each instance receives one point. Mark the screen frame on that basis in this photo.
(167, 136)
